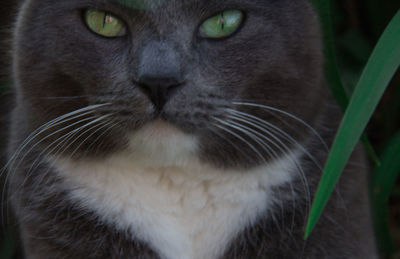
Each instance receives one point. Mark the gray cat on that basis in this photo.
(193, 129)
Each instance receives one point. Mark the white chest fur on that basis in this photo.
(180, 207)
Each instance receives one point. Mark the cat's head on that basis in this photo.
(218, 73)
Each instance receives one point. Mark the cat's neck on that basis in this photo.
(185, 210)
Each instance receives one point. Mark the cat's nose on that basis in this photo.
(159, 73)
(159, 89)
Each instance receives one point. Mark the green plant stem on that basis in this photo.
(376, 76)
(382, 182)
(332, 73)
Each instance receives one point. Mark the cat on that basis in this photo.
(193, 129)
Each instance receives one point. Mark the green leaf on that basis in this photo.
(332, 73)
(8, 246)
(382, 182)
(377, 74)
(331, 66)
(4, 86)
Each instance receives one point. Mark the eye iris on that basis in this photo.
(104, 24)
(232, 20)
(223, 24)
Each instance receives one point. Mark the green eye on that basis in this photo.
(104, 24)
(222, 24)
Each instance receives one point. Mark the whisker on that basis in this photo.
(72, 134)
(65, 97)
(63, 139)
(239, 137)
(287, 151)
(48, 125)
(289, 115)
(275, 155)
(57, 121)
(101, 125)
(38, 158)
(50, 135)
(253, 134)
(230, 142)
(111, 125)
(255, 122)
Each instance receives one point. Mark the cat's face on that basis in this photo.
(162, 66)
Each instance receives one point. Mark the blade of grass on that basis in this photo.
(331, 66)
(396, 192)
(382, 182)
(377, 74)
(7, 247)
(4, 86)
(332, 73)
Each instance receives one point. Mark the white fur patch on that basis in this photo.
(181, 207)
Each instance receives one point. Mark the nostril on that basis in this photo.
(158, 89)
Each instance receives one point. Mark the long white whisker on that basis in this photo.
(286, 150)
(255, 122)
(230, 142)
(256, 137)
(101, 125)
(59, 120)
(50, 135)
(110, 126)
(72, 134)
(52, 123)
(298, 166)
(59, 140)
(66, 137)
(289, 115)
(239, 137)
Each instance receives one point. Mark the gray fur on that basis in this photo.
(274, 59)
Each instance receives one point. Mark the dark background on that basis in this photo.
(358, 25)
(8, 9)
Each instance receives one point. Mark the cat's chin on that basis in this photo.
(162, 141)
(158, 128)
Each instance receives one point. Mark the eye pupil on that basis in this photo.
(222, 21)
(104, 21)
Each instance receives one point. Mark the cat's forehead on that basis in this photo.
(160, 4)
(141, 4)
